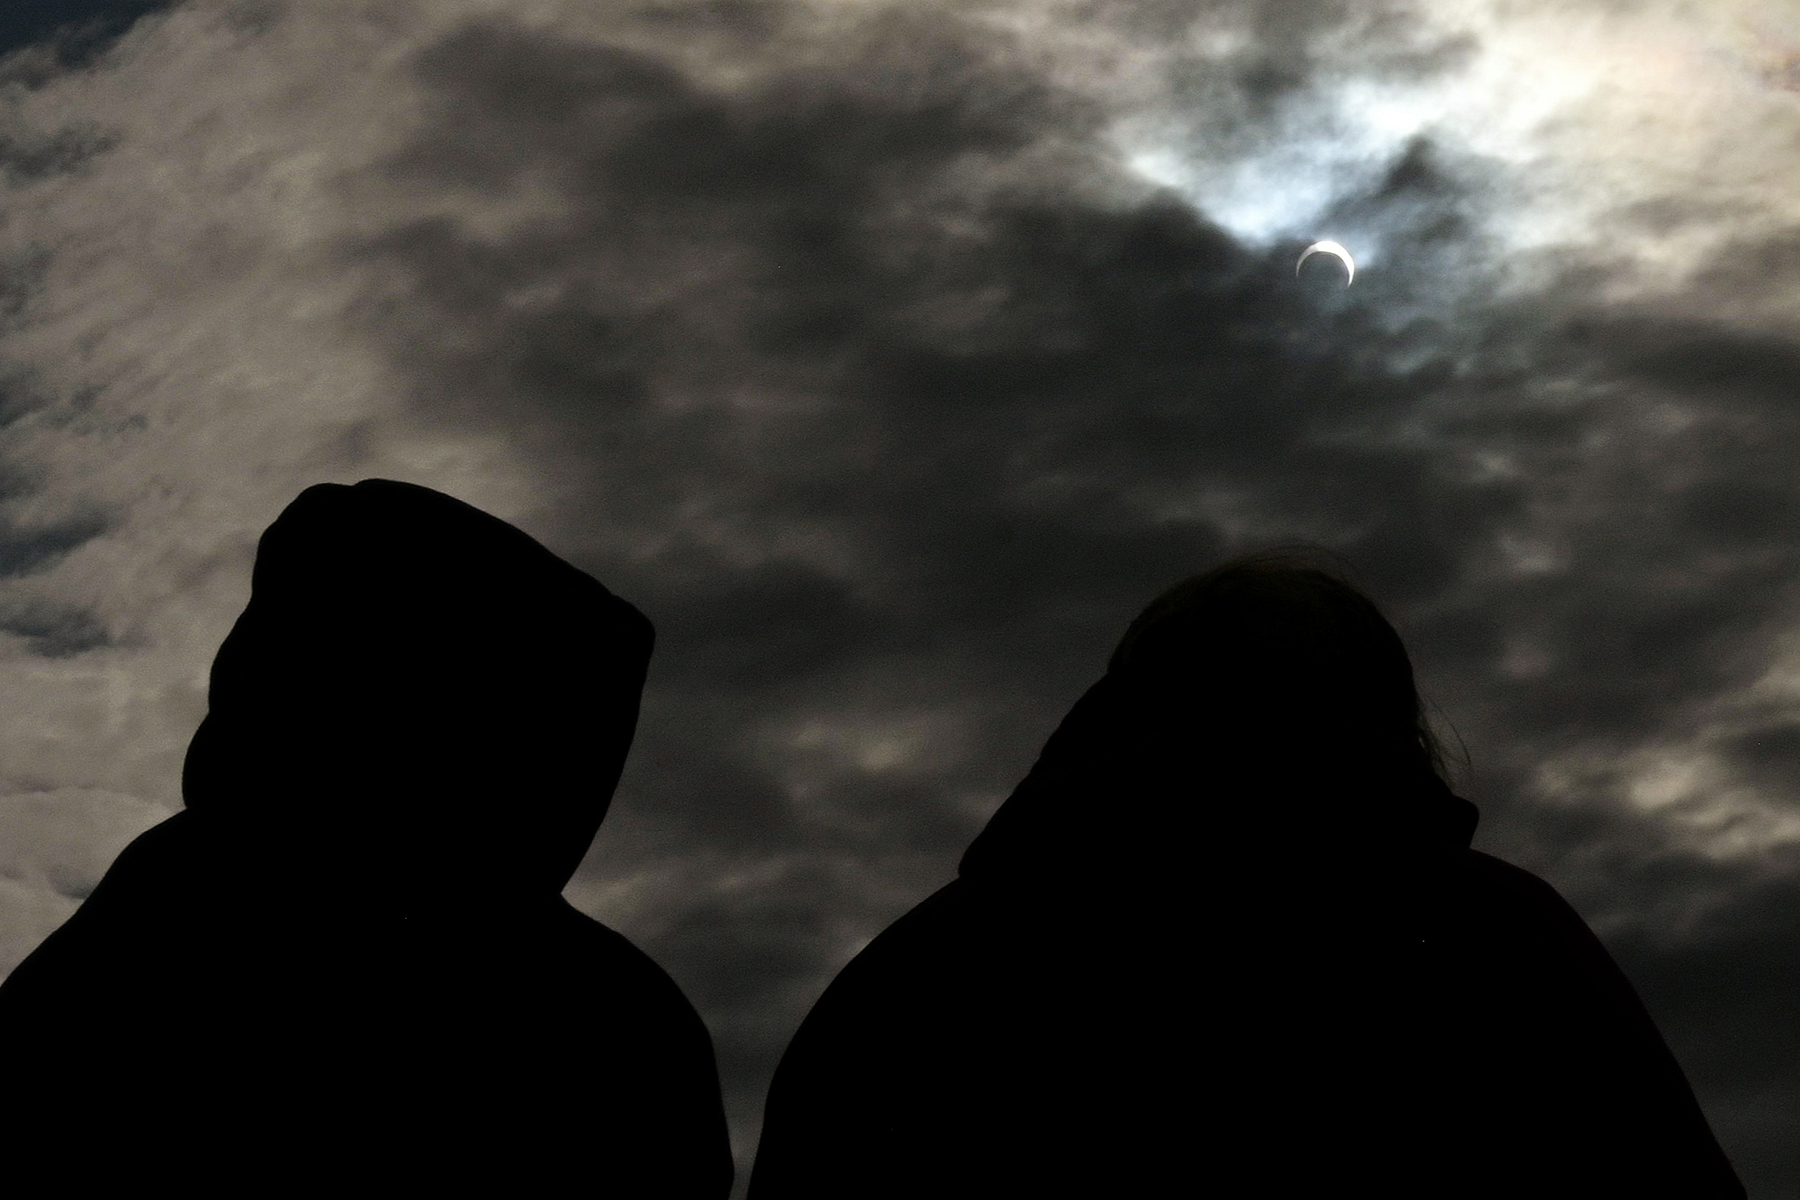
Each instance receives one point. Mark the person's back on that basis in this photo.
(349, 958)
(1229, 933)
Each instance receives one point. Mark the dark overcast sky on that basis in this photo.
(890, 357)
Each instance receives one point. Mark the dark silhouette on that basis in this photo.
(347, 967)
(1228, 937)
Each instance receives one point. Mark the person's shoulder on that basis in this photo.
(165, 854)
(575, 930)
(1489, 867)
(945, 925)
(1494, 879)
(968, 938)
(1519, 915)
(153, 878)
(604, 960)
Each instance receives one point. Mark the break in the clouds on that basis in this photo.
(890, 357)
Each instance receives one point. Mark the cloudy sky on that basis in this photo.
(890, 356)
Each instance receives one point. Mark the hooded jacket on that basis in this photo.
(1182, 960)
(349, 956)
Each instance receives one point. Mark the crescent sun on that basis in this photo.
(1329, 247)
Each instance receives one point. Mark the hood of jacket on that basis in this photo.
(418, 695)
(1133, 788)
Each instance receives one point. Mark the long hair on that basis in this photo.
(1284, 652)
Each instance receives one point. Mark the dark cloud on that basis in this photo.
(1769, 757)
(1141, 346)
(1428, 202)
(1727, 997)
(21, 279)
(1280, 63)
(753, 628)
(32, 547)
(1722, 364)
(749, 22)
(1635, 656)
(56, 631)
(26, 161)
(1769, 259)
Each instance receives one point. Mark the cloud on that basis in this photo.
(25, 550)
(48, 39)
(55, 632)
(890, 358)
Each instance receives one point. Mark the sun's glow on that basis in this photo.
(1337, 251)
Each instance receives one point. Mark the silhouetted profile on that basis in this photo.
(1228, 938)
(347, 967)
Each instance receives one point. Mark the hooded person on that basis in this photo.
(348, 962)
(1228, 937)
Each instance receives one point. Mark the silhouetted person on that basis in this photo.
(347, 968)
(1228, 938)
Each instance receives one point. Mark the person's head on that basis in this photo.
(1261, 711)
(1277, 653)
(423, 685)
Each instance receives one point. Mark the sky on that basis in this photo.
(890, 357)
